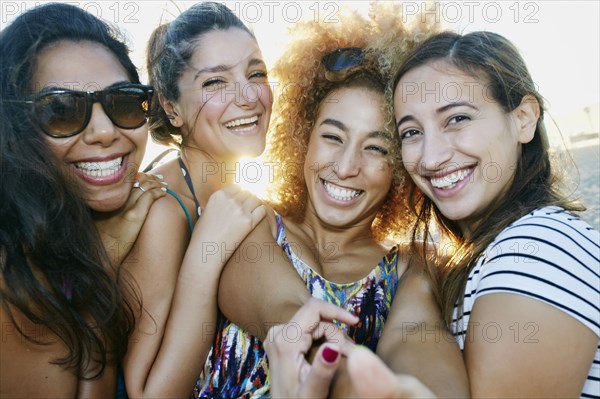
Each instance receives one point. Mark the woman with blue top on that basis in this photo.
(214, 105)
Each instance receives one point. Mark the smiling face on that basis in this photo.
(103, 159)
(225, 102)
(458, 145)
(347, 171)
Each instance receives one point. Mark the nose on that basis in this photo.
(436, 152)
(348, 164)
(100, 129)
(248, 94)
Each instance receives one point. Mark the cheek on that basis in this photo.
(266, 96)
(139, 138)
(61, 148)
(409, 160)
(213, 108)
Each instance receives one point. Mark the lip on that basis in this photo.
(103, 180)
(336, 201)
(458, 186)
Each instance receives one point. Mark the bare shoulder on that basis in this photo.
(161, 244)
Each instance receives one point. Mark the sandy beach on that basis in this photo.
(585, 179)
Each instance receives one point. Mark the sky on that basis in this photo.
(560, 40)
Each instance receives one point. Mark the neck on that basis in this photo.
(208, 174)
(344, 239)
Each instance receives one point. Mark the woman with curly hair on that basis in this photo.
(72, 136)
(338, 205)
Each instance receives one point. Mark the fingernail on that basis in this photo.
(329, 355)
(164, 182)
(159, 176)
(164, 189)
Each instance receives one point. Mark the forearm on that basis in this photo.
(189, 330)
(428, 352)
(415, 341)
(259, 292)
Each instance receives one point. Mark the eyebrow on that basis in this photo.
(224, 67)
(344, 128)
(438, 111)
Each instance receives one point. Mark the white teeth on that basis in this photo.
(239, 122)
(341, 194)
(100, 169)
(449, 180)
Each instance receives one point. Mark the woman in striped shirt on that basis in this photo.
(520, 290)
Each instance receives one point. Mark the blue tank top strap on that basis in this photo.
(280, 229)
(188, 180)
(187, 214)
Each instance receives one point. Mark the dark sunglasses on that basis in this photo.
(343, 58)
(65, 113)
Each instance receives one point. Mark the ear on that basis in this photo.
(527, 115)
(171, 110)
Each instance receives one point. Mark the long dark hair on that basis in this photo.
(55, 271)
(494, 60)
(170, 49)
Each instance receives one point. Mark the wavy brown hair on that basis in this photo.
(303, 82)
(493, 60)
(54, 269)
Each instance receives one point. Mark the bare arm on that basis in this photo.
(257, 292)
(521, 347)
(415, 341)
(170, 343)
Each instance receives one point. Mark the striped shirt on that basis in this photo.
(549, 255)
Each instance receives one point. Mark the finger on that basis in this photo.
(318, 380)
(316, 310)
(329, 331)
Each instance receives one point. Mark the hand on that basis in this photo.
(119, 230)
(373, 379)
(230, 214)
(288, 344)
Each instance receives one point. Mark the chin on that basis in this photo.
(107, 204)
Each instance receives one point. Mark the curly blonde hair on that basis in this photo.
(386, 38)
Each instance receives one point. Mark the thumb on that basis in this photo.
(322, 371)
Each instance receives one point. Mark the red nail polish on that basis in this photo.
(330, 355)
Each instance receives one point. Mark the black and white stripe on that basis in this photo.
(551, 256)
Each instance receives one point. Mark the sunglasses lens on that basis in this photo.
(344, 58)
(127, 106)
(60, 114)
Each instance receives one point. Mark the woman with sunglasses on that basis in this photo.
(72, 136)
(214, 106)
(341, 199)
